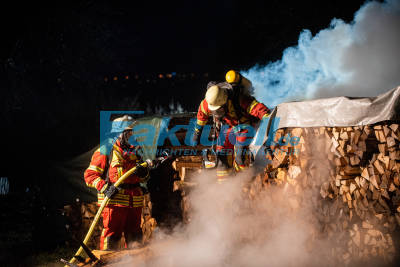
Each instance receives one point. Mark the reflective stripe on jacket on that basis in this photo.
(122, 161)
(251, 108)
(125, 198)
(93, 174)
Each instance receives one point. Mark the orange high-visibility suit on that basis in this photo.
(123, 213)
(230, 151)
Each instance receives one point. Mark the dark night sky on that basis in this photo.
(54, 56)
(146, 36)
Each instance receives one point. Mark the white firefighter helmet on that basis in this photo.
(216, 97)
(121, 124)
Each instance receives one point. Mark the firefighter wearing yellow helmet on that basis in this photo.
(239, 82)
(232, 106)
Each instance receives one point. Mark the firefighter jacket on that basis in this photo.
(95, 172)
(120, 161)
(250, 110)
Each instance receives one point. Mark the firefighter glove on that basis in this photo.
(110, 191)
(196, 137)
(141, 171)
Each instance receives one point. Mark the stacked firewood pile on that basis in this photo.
(81, 215)
(351, 176)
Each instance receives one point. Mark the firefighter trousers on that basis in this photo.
(118, 220)
(232, 152)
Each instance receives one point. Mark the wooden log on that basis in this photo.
(385, 194)
(394, 127)
(390, 141)
(344, 136)
(379, 167)
(281, 175)
(280, 157)
(384, 159)
(367, 131)
(380, 136)
(365, 173)
(394, 155)
(386, 130)
(341, 151)
(382, 148)
(354, 160)
(367, 225)
(392, 187)
(396, 179)
(353, 187)
(374, 181)
(364, 183)
(335, 133)
(362, 146)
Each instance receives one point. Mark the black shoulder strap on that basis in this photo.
(234, 93)
(236, 103)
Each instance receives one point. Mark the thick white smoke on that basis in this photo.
(229, 228)
(356, 59)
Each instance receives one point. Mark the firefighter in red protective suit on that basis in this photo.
(123, 213)
(233, 110)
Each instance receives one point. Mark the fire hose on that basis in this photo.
(147, 163)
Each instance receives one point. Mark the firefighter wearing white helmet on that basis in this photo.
(216, 97)
(121, 124)
(123, 213)
(230, 105)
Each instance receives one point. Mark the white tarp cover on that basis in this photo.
(340, 111)
(329, 112)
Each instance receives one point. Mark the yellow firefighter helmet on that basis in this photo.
(232, 76)
(216, 97)
(237, 79)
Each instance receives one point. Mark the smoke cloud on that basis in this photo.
(242, 223)
(360, 58)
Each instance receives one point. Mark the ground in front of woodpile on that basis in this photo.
(127, 257)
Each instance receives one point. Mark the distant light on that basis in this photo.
(105, 79)
(115, 78)
(160, 76)
(127, 77)
(206, 74)
(169, 75)
(173, 73)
